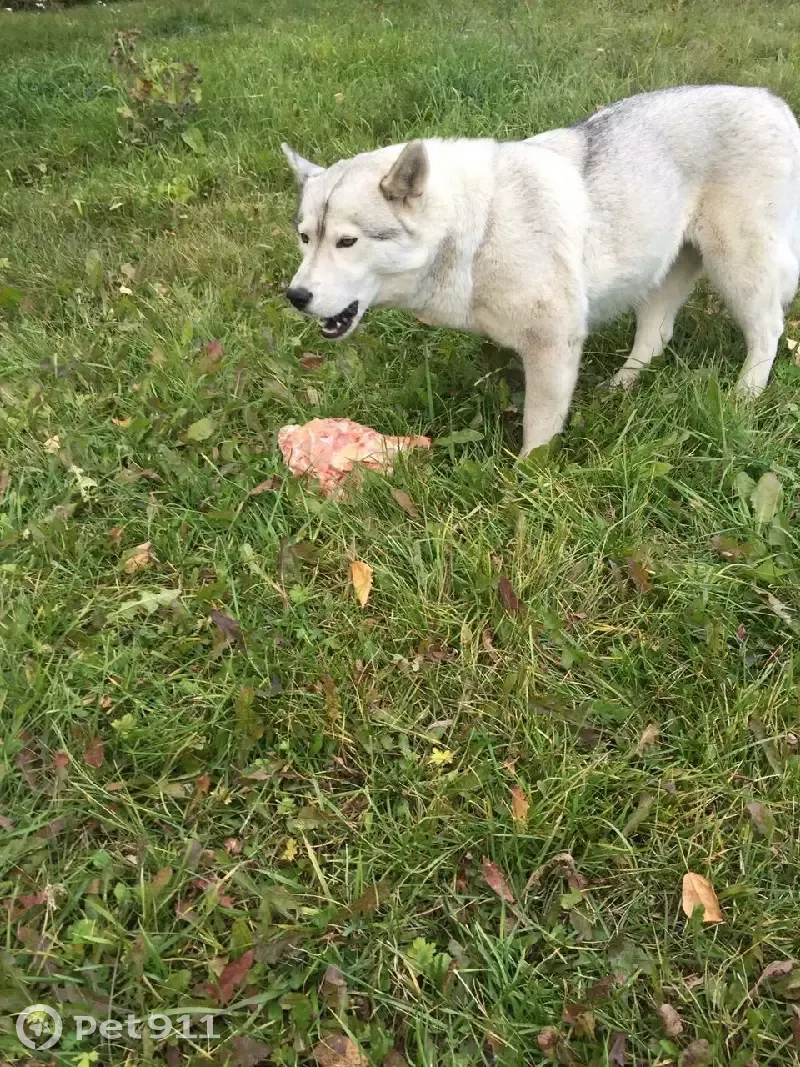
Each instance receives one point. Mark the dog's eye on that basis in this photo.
(304, 238)
(346, 242)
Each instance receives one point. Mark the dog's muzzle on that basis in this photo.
(338, 325)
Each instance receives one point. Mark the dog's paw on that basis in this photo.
(623, 379)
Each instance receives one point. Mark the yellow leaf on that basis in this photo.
(139, 558)
(290, 851)
(440, 757)
(122, 423)
(698, 890)
(649, 737)
(519, 805)
(361, 577)
(52, 445)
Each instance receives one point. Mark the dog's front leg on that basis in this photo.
(551, 370)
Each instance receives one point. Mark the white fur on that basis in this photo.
(534, 243)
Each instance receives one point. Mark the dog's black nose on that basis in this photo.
(301, 298)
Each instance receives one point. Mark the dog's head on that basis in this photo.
(357, 227)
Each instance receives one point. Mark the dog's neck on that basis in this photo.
(441, 292)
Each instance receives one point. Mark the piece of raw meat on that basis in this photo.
(328, 449)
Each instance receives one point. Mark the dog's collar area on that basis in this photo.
(338, 325)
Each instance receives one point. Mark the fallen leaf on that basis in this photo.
(310, 361)
(94, 754)
(333, 989)
(649, 738)
(233, 976)
(228, 628)
(123, 424)
(52, 445)
(161, 879)
(6, 823)
(361, 577)
(765, 497)
(138, 558)
(580, 1019)
(60, 764)
(369, 901)
(695, 1054)
(393, 1059)
(697, 890)
(401, 498)
(274, 482)
(16, 907)
(639, 814)
(618, 1053)
(496, 880)
(773, 757)
(548, 1040)
(762, 818)
(5, 478)
(200, 430)
(519, 805)
(779, 608)
(796, 1024)
(778, 969)
(637, 573)
(729, 549)
(290, 850)
(792, 343)
(670, 1020)
(201, 787)
(508, 598)
(337, 1050)
(233, 846)
(247, 1052)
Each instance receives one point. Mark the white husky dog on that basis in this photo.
(535, 242)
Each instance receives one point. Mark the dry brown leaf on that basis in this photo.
(394, 1059)
(337, 1050)
(649, 738)
(274, 482)
(762, 818)
(695, 1054)
(361, 577)
(139, 558)
(5, 478)
(670, 1020)
(310, 361)
(637, 573)
(405, 502)
(94, 754)
(509, 599)
(247, 1052)
(618, 1053)
(698, 890)
(778, 969)
(548, 1040)
(519, 805)
(496, 880)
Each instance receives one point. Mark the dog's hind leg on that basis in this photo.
(749, 260)
(656, 318)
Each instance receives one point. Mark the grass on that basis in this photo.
(321, 787)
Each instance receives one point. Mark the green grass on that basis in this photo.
(253, 795)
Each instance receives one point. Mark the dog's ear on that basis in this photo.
(303, 168)
(408, 174)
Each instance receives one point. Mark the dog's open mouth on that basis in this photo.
(340, 324)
